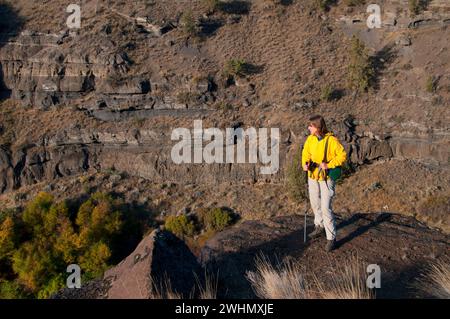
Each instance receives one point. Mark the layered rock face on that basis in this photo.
(60, 70)
(147, 153)
(394, 20)
(45, 70)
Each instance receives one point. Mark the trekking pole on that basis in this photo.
(306, 212)
(304, 231)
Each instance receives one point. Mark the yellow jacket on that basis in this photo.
(313, 150)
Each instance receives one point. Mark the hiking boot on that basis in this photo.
(331, 245)
(317, 232)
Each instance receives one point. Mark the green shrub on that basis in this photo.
(52, 237)
(216, 219)
(414, 8)
(97, 220)
(52, 286)
(188, 23)
(35, 263)
(431, 84)
(95, 260)
(7, 238)
(224, 106)
(327, 93)
(296, 179)
(211, 5)
(11, 290)
(236, 67)
(417, 6)
(180, 225)
(361, 71)
(111, 171)
(324, 5)
(138, 122)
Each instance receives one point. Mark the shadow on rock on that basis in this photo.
(402, 284)
(235, 7)
(362, 229)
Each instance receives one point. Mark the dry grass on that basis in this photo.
(209, 290)
(436, 281)
(434, 211)
(347, 282)
(287, 281)
(206, 291)
(164, 290)
(283, 282)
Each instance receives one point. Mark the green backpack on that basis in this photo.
(334, 173)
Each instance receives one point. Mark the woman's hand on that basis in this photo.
(306, 167)
(323, 165)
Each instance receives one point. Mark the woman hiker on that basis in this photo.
(321, 186)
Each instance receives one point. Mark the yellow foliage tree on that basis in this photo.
(55, 241)
(7, 237)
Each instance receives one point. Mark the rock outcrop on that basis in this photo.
(160, 261)
(395, 21)
(147, 153)
(401, 246)
(41, 71)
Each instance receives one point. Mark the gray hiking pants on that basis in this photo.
(320, 196)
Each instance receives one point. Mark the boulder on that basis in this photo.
(159, 258)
